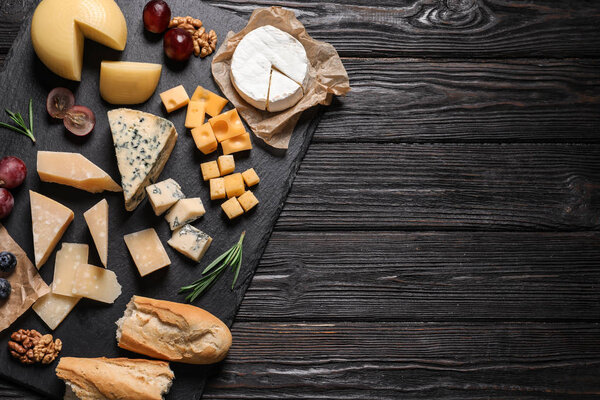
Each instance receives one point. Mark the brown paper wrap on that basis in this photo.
(27, 285)
(327, 76)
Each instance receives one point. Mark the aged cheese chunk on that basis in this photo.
(175, 98)
(227, 125)
(143, 143)
(250, 177)
(210, 170)
(283, 92)
(125, 82)
(96, 283)
(68, 258)
(58, 29)
(53, 308)
(73, 169)
(184, 212)
(232, 208)
(248, 200)
(195, 114)
(49, 220)
(234, 185)
(217, 189)
(163, 195)
(147, 251)
(236, 144)
(213, 103)
(204, 138)
(190, 242)
(97, 221)
(226, 165)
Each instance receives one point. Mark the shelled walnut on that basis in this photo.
(205, 43)
(29, 347)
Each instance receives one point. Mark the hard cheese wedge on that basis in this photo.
(53, 308)
(58, 29)
(96, 283)
(147, 251)
(73, 169)
(143, 143)
(124, 82)
(68, 259)
(50, 220)
(190, 242)
(97, 221)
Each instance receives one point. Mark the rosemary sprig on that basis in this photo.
(232, 258)
(20, 121)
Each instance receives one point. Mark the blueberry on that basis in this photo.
(4, 289)
(8, 262)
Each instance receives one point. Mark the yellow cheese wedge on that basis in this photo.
(58, 29)
(68, 259)
(124, 82)
(97, 221)
(53, 308)
(73, 169)
(50, 220)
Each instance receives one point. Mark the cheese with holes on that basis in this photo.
(58, 29)
(53, 308)
(73, 169)
(234, 185)
(227, 125)
(217, 189)
(143, 143)
(49, 220)
(195, 114)
(232, 208)
(226, 165)
(204, 138)
(147, 251)
(213, 103)
(68, 258)
(175, 98)
(163, 195)
(190, 242)
(236, 144)
(248, 200)
(283, 92)
(96, 283)
(97, 222)
(250, 177)
(184, 212)
(126, 82)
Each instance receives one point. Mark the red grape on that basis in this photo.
(157, 16)
(79, 120)
(6, 203)
(59, 101)
(179, 44)
(12, 172)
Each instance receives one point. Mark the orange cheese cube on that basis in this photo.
(227, 125)
(250, 177)
(232, 208)
(175, 98)
(195, 114)
(210, 170)
(238, 143)
(213, 103)
(247, 200)
(205, 139)
(234, 185)
(226, 164)
(217, 188)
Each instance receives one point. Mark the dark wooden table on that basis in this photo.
(442, 237)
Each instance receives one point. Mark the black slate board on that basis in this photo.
(89, 331)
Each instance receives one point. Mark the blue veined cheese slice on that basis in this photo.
(190, 241)
(143, 143)
(163, 195)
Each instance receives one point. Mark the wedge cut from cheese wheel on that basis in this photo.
(125, 82)
(58, 29)
(283, 92)
(49, 220)
(250, 75)
(96, 283)
(68, 258)
(53, 308)
(73, 169)
(97, 222)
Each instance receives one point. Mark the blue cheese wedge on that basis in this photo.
(143, 143)
(184, 212)
(190, 242)
(163, 195)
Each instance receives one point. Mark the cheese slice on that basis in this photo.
(283, 92)
(97, 222)
(49, 220)
(96, 283)
(53, 308)
(147, 251)
(143, 143)
(184, 212)
(190, 241)
(73, 169)
(163, 195)
(125, 82)
(68, 259)
(58, 29)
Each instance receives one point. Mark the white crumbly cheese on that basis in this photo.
(283, 92)
(163, 195)
(190, 242)
(184, 212)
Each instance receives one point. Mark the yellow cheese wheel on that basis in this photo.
(123, 82)
(58, 29)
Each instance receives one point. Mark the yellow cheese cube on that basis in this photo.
(205, 139)
(195, 114)
(210, 170)
(226, 164)
(227, 125)
(232, 208)
(217, 188)
(234, 185)
(247, 200)
(238, 143)
(250, 177)
(213, 103)
(175, 98)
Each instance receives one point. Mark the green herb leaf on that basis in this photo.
(20, 121)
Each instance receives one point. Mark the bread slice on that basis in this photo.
(114, 378)
(173, 331)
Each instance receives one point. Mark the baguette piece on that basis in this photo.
(172, 331)
(114, 378)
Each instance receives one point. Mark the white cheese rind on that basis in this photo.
(184, 212)
(163, 195)
(250, 73)
(283, 92)
(190, 241)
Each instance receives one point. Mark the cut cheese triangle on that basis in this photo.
(97, 221)
(73, 169)
(58, 29)
(50, 220)
(143, 144)
(283, 92)
(54, 308)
